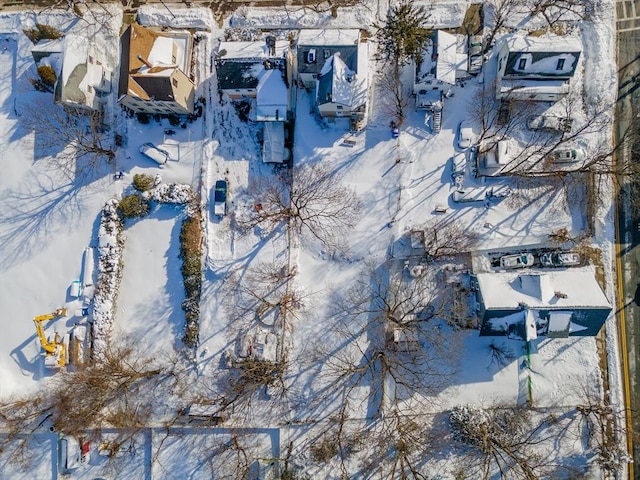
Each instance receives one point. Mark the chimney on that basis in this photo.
(144, 60)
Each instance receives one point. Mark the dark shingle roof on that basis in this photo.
(348, 54)
(237, 74)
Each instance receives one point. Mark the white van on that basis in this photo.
(72, 454)
(156, 154)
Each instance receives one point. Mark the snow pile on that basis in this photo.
(175, 193)
(110, 246)
(195, 18)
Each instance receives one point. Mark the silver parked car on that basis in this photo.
(559, 259)
(549, 122)
(568, 155)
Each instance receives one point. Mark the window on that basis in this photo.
(326, 53)
(89, 89)
(173, 59)
(174, 82)
(560, 64)
(90, 59)
(522, 63)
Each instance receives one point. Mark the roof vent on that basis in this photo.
(560, 295)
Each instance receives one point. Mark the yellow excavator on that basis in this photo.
(55, 351)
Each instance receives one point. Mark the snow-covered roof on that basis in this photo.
(150, 59)
(75, 55)
(533, 87)
(49, 46)
(272, 96)
(556, 289)
(259, 49)
(545, 43)
(334, 36)
(82, 68)
(440, 59)
(335, 83)
(160, 49)
(548, 56)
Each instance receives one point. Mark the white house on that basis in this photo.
(85, 81)
(435, 72)
(536, 68)
(83, 77)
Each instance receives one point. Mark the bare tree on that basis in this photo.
(446, 238)
(311, 199)
(77, 136)
(504, 439)
(400, 444)
(264, 293)
(390, 339)
(554, 11)
(112, 391)
(92, 12)
(396, 97)
(487, 112)
(605, 435)
(497, 14)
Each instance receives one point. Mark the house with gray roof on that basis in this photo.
(536, 68)
(559, 302)
(248, 70)
(333, 63)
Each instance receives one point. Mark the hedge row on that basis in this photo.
(191, 255)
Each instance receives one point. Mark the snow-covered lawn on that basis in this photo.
(151, 291)
(47, 221)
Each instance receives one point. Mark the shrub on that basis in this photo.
(191, 255)
(47, 75)
(42, 32)
(174, 121)
(325, 450)
(143, 182)
(133, 206)
(143, 118)
(40, 86)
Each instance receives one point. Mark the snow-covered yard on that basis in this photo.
(335, 353)
(151, 290)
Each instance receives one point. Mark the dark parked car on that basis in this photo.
(220, 198)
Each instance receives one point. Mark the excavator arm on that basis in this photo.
(48, 347)
(53, 349)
